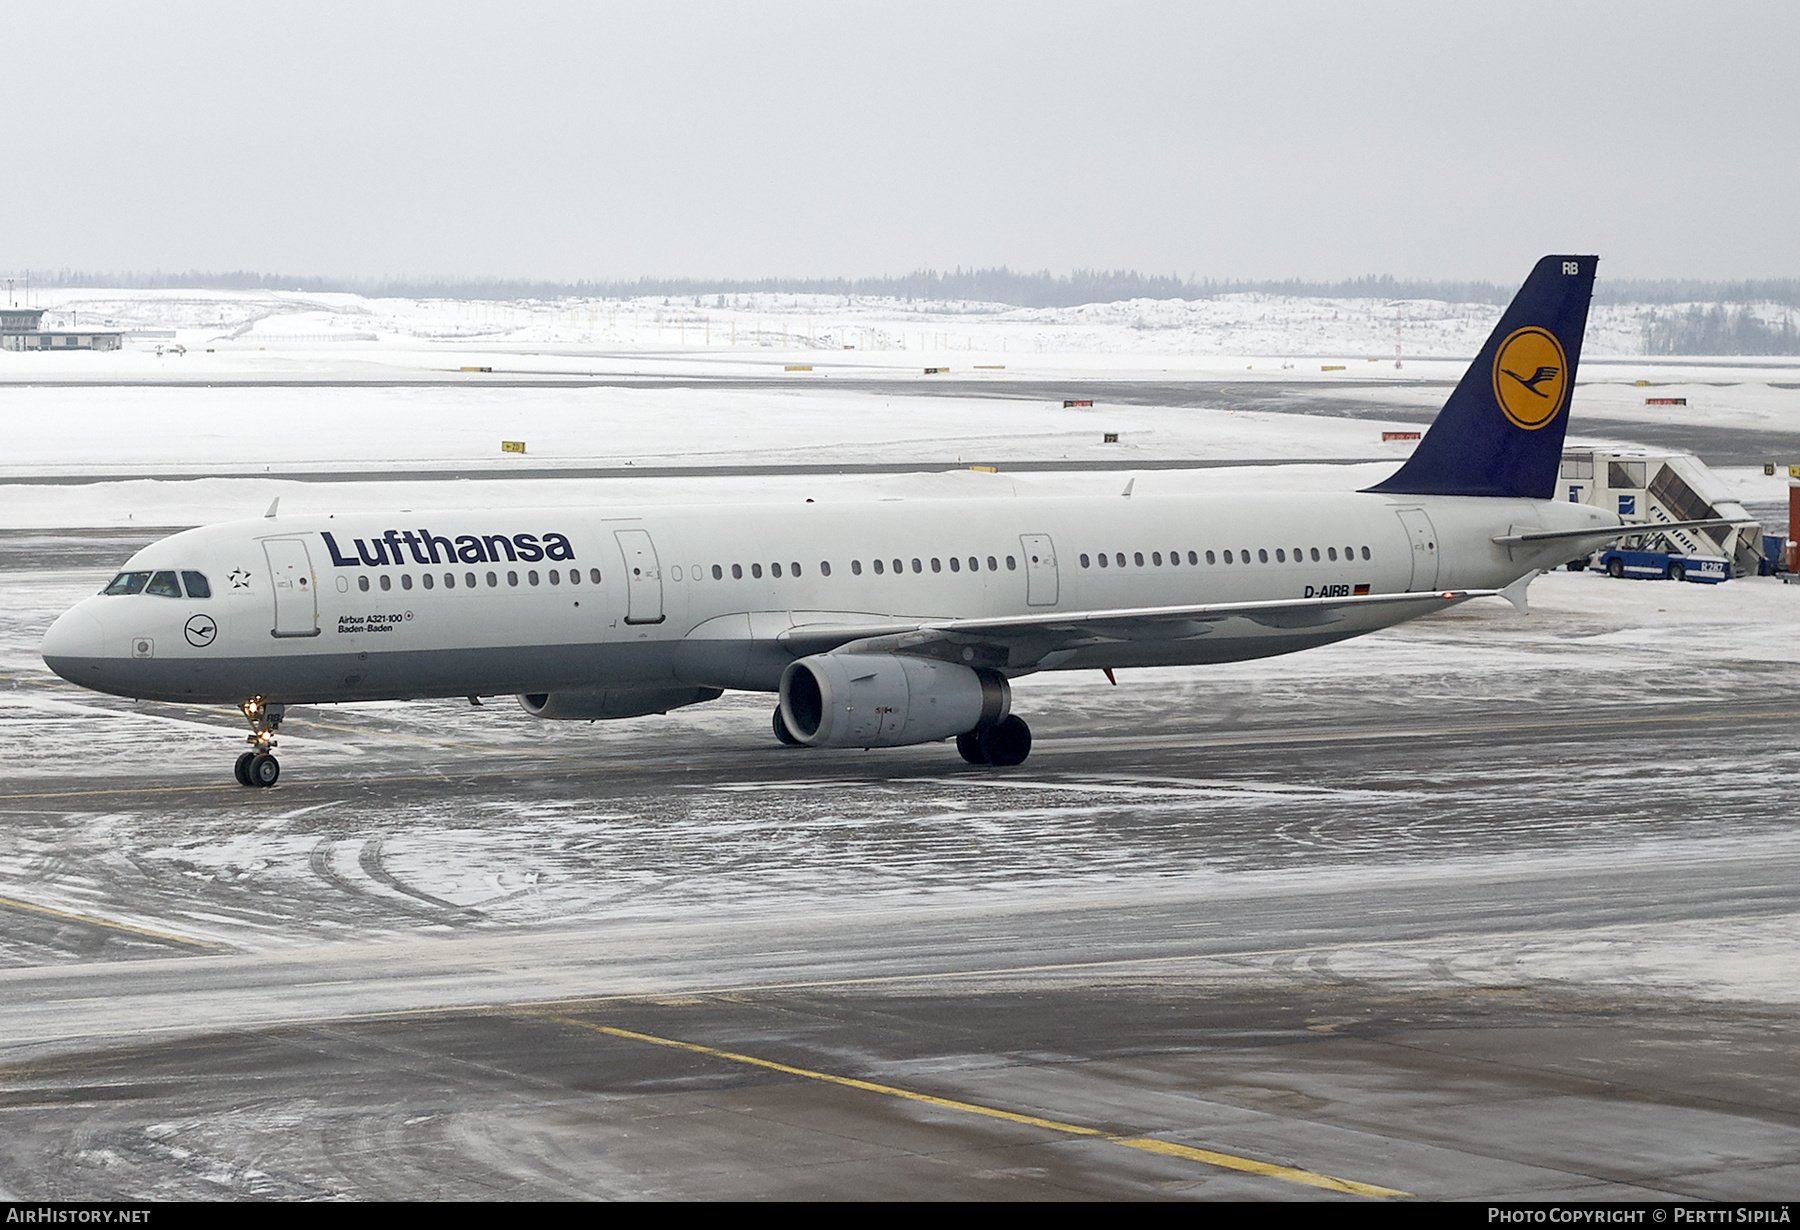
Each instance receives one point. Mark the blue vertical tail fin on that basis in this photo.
(1501, 432)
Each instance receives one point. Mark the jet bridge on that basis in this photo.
(1653, 489)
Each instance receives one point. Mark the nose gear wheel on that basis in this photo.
(258, 766)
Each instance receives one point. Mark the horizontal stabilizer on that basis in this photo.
(1608, 533)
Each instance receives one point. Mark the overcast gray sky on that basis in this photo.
(568, 141)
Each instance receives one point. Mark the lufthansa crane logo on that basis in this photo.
(1531, 377)
(200, 631)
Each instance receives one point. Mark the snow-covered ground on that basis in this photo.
(1228, 325)
(242, 383)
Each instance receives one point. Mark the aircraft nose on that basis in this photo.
(75, 639)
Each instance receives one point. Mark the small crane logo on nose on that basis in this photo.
(201, 630)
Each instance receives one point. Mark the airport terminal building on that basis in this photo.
(20, 330)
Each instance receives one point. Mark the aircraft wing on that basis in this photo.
(1025, 640)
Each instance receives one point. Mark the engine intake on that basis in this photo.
(884, 700)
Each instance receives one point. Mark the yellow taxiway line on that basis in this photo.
(1167, 1148)
(51, 912)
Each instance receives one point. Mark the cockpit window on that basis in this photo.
(163, 585)
(127, 583)
(196, 585)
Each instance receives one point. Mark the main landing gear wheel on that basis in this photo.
(782, 732)
(242, 769)
(1005, 743)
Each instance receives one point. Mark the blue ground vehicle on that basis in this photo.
(1663, 565)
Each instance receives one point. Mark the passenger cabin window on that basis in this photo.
(718, 573)
(387, 582)
(824, 568)
(406, 580)
(362, 583)
(878, 568)
(856, 567)
(594, 575)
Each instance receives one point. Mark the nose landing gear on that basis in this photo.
(258, 766)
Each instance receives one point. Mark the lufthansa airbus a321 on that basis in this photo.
(875, 624)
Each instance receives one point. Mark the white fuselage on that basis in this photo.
(312, 609)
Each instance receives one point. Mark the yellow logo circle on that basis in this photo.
(1531, 376)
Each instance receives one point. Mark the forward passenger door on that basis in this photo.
(296, 597)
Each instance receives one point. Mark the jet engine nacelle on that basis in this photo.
(612, 703)
(879, 700)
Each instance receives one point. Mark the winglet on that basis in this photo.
(1515, 593)
(1501, 432)
(273, 505)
